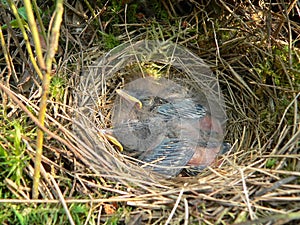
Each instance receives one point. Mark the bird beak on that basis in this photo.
(128, 97)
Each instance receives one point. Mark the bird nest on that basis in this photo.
(148, 68)
(252, 49)
(228, 182)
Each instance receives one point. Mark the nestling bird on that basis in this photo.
(168, 133)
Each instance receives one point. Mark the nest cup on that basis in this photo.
(135, 66)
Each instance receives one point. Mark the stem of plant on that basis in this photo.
(51, 50)
(25, 37)
(35, 34)
(40, 136)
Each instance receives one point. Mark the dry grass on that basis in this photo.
(254, 51)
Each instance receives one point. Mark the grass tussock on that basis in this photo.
(252, 48)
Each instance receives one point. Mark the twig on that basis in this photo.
(252, 214)
(186, 212)
(62, 200)
(7, 56)
(176, 205)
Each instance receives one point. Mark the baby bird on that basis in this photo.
(168, 134)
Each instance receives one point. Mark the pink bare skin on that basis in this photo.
(205, 156)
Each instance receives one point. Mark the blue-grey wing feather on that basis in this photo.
(185, 108)
(173, 154)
